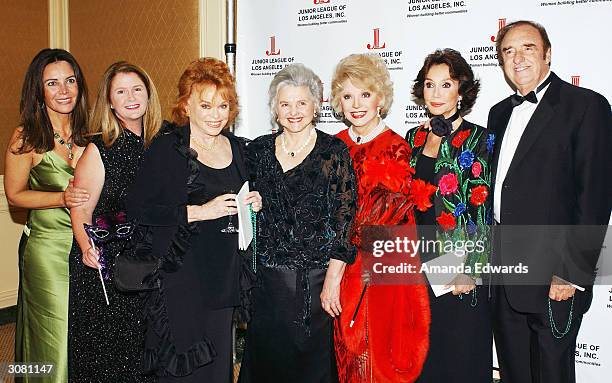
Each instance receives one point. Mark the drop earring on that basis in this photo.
(459, 105)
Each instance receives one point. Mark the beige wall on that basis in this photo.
(11, 227)
(161, 36)
(23, 32)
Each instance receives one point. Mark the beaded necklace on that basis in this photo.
(553, 326)
(67, 144)
(254, 223)
(292, 153)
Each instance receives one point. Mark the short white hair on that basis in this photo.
(295, 75)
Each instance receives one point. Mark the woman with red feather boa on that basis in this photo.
(382, 334)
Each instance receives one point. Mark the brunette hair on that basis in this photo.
(37, 131)
(458, 69)
(502, 33)
(104, 121)
(206, 71)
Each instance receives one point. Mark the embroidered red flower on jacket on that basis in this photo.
(448, 184)
(395, 176)
(460, 138)
(446, 221)
(476, 169)
(421, 194)
(479, 195)
(419, 138)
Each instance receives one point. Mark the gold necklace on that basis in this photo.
(202, 146)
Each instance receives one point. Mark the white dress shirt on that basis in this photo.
(519, 119)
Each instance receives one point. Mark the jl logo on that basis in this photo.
(273, 51)
(500, 24)
(376, 44)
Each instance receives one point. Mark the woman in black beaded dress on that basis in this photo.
(106, 339)
(307, 181)
(183, 199)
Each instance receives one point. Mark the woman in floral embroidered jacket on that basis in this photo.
(451, 157)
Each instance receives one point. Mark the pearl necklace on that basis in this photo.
(67, 144)
(359, 140)
(292, 153)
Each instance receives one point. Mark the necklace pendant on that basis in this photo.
(359, 139)
(292, 154)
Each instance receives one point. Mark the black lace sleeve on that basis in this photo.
(251, 160)
(344, 206)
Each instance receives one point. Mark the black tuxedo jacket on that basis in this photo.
(555, 201)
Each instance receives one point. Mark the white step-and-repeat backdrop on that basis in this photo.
(318, 33)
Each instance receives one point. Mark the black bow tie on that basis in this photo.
(517, 99)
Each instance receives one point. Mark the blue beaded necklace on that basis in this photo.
(553, 327)
(254, 223)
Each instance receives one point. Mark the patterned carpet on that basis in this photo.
(7, 333)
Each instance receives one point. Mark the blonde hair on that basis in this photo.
(367, 71)
(105, 122)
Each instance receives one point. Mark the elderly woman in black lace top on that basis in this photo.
(306, 181)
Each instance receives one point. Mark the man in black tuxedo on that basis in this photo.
(552, 170)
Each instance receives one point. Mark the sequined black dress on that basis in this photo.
(106, 342)
(306, 217)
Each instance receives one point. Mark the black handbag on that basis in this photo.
(135, 269)
(133, 275)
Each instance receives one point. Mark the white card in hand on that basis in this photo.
(438, 280)
(245, 226)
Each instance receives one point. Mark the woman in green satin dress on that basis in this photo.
(39, 167)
